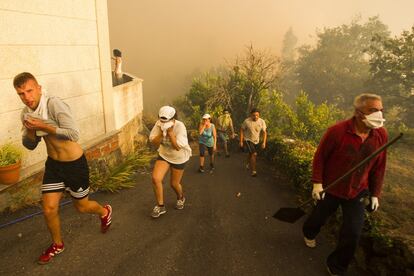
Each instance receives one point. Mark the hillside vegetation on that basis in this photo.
(307, 89)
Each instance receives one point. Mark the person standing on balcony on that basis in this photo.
(344, 145)
(250, 138)
(66, 167)
(224, 126)
(170, 136)
(118, 66)
(207, 141)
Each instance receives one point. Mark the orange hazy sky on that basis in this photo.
(167, 42)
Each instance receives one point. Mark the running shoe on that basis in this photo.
(201, 169)
(180, 204)
(52, 251)
(106, 220)
(158, 211)
(254, 173)
(310, 243)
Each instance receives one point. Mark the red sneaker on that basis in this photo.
(106, 220)
(52, 251)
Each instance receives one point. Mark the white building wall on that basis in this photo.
(65, 44)
(128, 102)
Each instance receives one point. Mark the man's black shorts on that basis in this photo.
(175, 166)
(250, 147)
(67, 175)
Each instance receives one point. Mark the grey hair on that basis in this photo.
(360, 100)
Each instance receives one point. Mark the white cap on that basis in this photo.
(206, 116)
(166, 113)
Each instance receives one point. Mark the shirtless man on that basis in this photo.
(66, 167)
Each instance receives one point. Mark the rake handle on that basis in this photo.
(356, 167)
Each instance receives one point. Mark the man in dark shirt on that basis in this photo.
(343, 146)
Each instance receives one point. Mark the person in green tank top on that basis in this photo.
(224, 126)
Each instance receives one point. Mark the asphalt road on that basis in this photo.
(217, 233)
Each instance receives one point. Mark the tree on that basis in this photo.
(313, 120)
(337, 69)
(392, 72)
(288, 82)
(279, 116)
(288, 46)
(305, 121)
(238, 87)
(252, 74)
(196, 100)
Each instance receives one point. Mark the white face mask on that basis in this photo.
(374, 120)
(167, 125)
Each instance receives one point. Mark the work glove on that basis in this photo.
(374, 203)
(316, 191)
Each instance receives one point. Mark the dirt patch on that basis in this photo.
(397, 203)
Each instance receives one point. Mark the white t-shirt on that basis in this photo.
(166, 150)
(252, 129)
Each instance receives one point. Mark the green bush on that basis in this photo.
(10, 154)
(294, 157)
(314, 119)
(305, 121)
(279, 116)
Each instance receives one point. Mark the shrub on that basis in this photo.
(294, 157)
(121, 176)
(10, 154)
(314, 119)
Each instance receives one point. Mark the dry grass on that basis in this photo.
(397, 202)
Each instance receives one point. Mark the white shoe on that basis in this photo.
(310, 243)
(180, 204)
(158, 211)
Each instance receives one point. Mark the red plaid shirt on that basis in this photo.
(341, 149)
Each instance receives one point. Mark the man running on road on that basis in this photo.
(250, 137)
(66, 167)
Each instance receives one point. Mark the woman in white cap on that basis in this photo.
(207, 141)
(170, 135)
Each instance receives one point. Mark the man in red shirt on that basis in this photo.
(343, 146)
